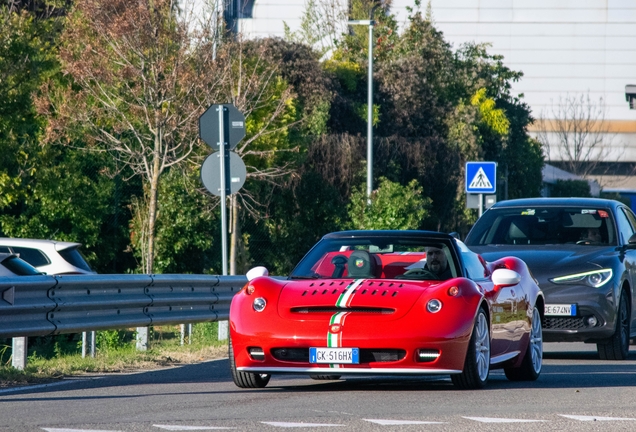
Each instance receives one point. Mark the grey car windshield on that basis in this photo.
(544, 225)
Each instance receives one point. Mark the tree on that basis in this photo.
(321, 25)
(393, 206)
(570, 188)
(575, 133)
(140, 75)
(27, 58)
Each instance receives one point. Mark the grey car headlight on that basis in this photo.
(594, 278)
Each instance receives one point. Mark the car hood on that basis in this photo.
(552, 260)
(378, 299)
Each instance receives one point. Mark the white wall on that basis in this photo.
(563, 47)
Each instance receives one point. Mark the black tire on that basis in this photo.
(477, 363)
(530, 368)
(324, 377)
(246, 379)
(617, 346)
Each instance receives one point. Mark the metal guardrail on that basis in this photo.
(49, 305)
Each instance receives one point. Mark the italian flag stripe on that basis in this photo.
(345, 298)
(334, 340)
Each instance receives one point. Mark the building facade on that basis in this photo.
(567, 50)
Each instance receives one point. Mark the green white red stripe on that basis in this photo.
(334, 340)
(345, 298)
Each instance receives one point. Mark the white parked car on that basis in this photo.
(11, 265)
(48, 256)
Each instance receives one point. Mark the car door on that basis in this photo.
(626, 222)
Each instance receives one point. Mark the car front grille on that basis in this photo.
(334, 309)
(301, 355)
(563, 323)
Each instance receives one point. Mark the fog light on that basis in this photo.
(592, 321)
(256, 353)
(259, 304)
(427, 355)
(434, 306)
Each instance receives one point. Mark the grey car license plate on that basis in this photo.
(560, 310)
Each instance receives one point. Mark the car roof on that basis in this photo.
(58, 245)
(559, 202)
(388, 233)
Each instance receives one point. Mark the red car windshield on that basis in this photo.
(407, 258)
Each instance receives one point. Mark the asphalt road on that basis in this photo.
(576, 391)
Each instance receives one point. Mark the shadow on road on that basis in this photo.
(561, 369)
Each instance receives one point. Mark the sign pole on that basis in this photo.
(223, 192)
(213, 130)
(481, 204)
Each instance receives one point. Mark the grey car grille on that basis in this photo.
(563, 323)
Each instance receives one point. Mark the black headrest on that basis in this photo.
(361, 265)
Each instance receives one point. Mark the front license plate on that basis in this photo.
(560, 310)
(334, 355)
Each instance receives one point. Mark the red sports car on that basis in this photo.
(389, 302)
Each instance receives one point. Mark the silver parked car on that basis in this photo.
(48, 256)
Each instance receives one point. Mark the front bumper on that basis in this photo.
(389, 349)
(595, 317)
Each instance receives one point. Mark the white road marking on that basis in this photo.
(77, 430)
(300, 425)
(190, 428)
(501, 420)
(596, 418)
(400, 422)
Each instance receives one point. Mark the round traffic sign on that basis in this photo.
(235, 173)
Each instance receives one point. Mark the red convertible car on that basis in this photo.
(389, 302)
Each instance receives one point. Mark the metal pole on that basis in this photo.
(481, 204)
(223, 192)
(84, 342)
(370, 114)
(93, 343)
(223, 327)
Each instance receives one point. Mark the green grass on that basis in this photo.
(54, 357)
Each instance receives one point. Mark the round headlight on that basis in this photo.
(434, 306)
(259, 304)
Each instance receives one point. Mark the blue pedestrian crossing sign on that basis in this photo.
(481, 177)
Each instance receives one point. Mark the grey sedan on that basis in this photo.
(582, 251)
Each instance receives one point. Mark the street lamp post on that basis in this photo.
(370, 22)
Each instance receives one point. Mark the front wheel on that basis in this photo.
(533, 359)
(617, 346)
(246, 379)
(477, 363)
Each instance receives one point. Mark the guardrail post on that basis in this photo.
(142, 338)
(84, 344)
(223, 330)
(93, 343)
(88, 344)
(19, 352)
